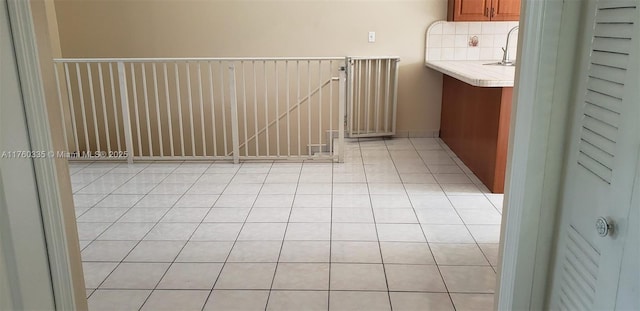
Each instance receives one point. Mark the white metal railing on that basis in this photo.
(203, 108)
(372, 96)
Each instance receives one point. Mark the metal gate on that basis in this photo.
(372, 96)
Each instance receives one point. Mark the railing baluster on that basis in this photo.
(62, 112)
(178, 94)
(122, 77)
(341, 102)
(84, 115)
(358, 114)
(146, 107)
(213, 111)
(309, 101)
(203, 133)
(395, 96)
(330, 142)
(255, 111)
(190, 97)
(244, 109)
(224, 111)
(386, 97)
(169, 115)
(234, 114)
(135, 107)
(320, 106)
(93, 107)
(266, 107)
(298, 102)
(367, 97)
(288, 104)
(377, 96)
(116, 117)
(275, 64)
(104, 107)
(158, 119)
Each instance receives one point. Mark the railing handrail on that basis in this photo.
(188, 59)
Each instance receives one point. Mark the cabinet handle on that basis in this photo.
(492, 12)
(486, 12)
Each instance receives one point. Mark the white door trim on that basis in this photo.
(24, 38)
(546, 46)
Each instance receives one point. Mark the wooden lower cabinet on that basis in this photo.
(475, 125)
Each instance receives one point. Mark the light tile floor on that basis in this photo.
(401, 224)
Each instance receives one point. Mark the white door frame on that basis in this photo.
(24, 39)
(534, 167)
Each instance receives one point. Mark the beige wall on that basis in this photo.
(44, 19)
(208, 28)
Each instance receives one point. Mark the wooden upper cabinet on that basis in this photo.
(483, 10)
(506, 10)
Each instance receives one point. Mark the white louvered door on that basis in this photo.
(603, 159)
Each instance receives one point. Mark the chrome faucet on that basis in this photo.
(506, 60)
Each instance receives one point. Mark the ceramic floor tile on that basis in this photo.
(135, 276)
(353, 215)
(358, 277)
(350, 188)
(400, 233)
(246, 276)
(312, 200)
(269, 214)
(298, 300)
(185, 214)
(473, 302)
(125, 300)
(390, 201)
(144, 214)
(282, 178)
(255, 251)
(490, 250)
(447, 234)
(313, 188)
(96, 272)
(196, 200)
(190, 276)
(310, 214)
(438, 216)
(215, 178)
(119, 200)
(355, 252)
(227, 214)
(308, 232)
(262, 232)
(205, 252)
(274, 200)
(480, 216)
(485, 233)
(235, 200)
(305, 251)
(102, 214)
(353, 232)
(302, 276)
(279, 188)
(126, 231)
(430, 201)
(403, 301)
(242, 188)
(217, 232)
(359, 300)
(406, 253)
(395, 216)
(351, 201)
(422, 178)
(205, 188)
(414, 278)
(469, 279)
(172, 231)
(458, 255)
(237, 300)
(158, 200)
(470, 201)
(107, 250)
(155, 251)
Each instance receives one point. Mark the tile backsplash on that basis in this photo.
(456, 40)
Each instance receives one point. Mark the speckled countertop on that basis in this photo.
(475, 72)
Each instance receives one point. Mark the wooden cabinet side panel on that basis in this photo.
(503, 139)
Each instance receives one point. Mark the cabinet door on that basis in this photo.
(505, 10)
(469, 10)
